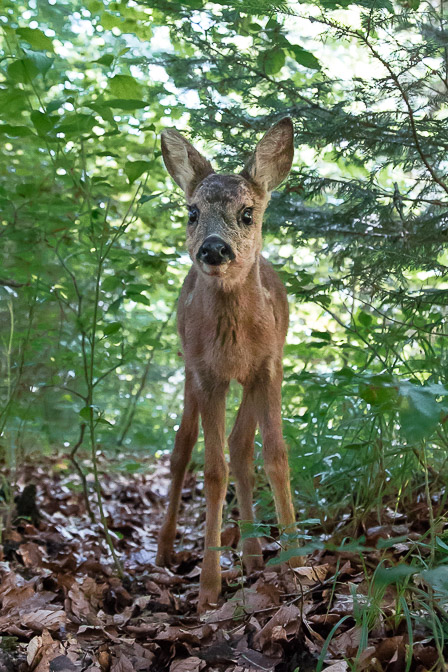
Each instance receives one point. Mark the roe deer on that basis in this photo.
(232, 320)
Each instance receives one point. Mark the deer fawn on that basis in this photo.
(232, 320)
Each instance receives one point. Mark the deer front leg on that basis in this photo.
(186, 438)
(241, 449)
(275, 453)
(213, 408)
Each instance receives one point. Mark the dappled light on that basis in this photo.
(93, 256)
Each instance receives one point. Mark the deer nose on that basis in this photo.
(215, 251)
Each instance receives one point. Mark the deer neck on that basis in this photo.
(238, 298)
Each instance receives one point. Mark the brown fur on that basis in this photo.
(232, 320)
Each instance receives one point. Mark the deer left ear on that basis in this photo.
(271, 161)
(184, 163)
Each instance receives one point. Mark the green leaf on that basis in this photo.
(109, 21)
(85, 412)
(272, 61)
(107, 59)
(15, 131)
(103, 421)
(364, 318)
(438, 580)
(419, 411)
(110, 283)
(441, 544)
(23, 70)
(384, 576)
(55, 105)
(125, 86)
(379, 393)
(137, 287)
(148, 197)
(126, 104)
(36, 38)
(43, 123)
(134, 169)
(138, 298)
(249, 530)
(304, 57)
(76, 124)
(323, 335)
(104, 112)
(42, 61)
(112, 328)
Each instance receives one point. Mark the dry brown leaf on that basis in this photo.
(288, 617)
(255, 661)
(268, 592)
(174, 633)
(79, 606)
(392, 651)
(36, 645)
(324, 619)
(32, 554)
(123, 664)
(225, 613)
(427, 655)
(261, 596)
(191, 664)
(365, 658)
(219, 652)
(43, 650)
(44, 619)
(14, 590)
(340, 666)
(342, 605)
(311, 575)
(347, 643)
(165, 578)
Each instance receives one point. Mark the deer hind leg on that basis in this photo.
(186, 438)
(241, 449)
(213, 408)
(275, 453)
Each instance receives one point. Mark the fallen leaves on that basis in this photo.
(65, 610)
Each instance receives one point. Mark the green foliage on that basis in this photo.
(358, 232)
(92, 238)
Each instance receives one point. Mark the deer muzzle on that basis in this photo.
(214, 251)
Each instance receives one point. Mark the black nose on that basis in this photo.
(215, 251)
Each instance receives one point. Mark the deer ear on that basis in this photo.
(271, 161)
(184, 163)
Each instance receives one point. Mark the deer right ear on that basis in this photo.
(272, 159)
(184, 163)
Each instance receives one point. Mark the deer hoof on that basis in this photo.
(208, 599)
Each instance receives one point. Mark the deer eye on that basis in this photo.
(193, 214)
(246, 217)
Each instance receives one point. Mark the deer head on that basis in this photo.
(225, 212)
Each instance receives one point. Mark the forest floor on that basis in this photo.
(64, 609)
